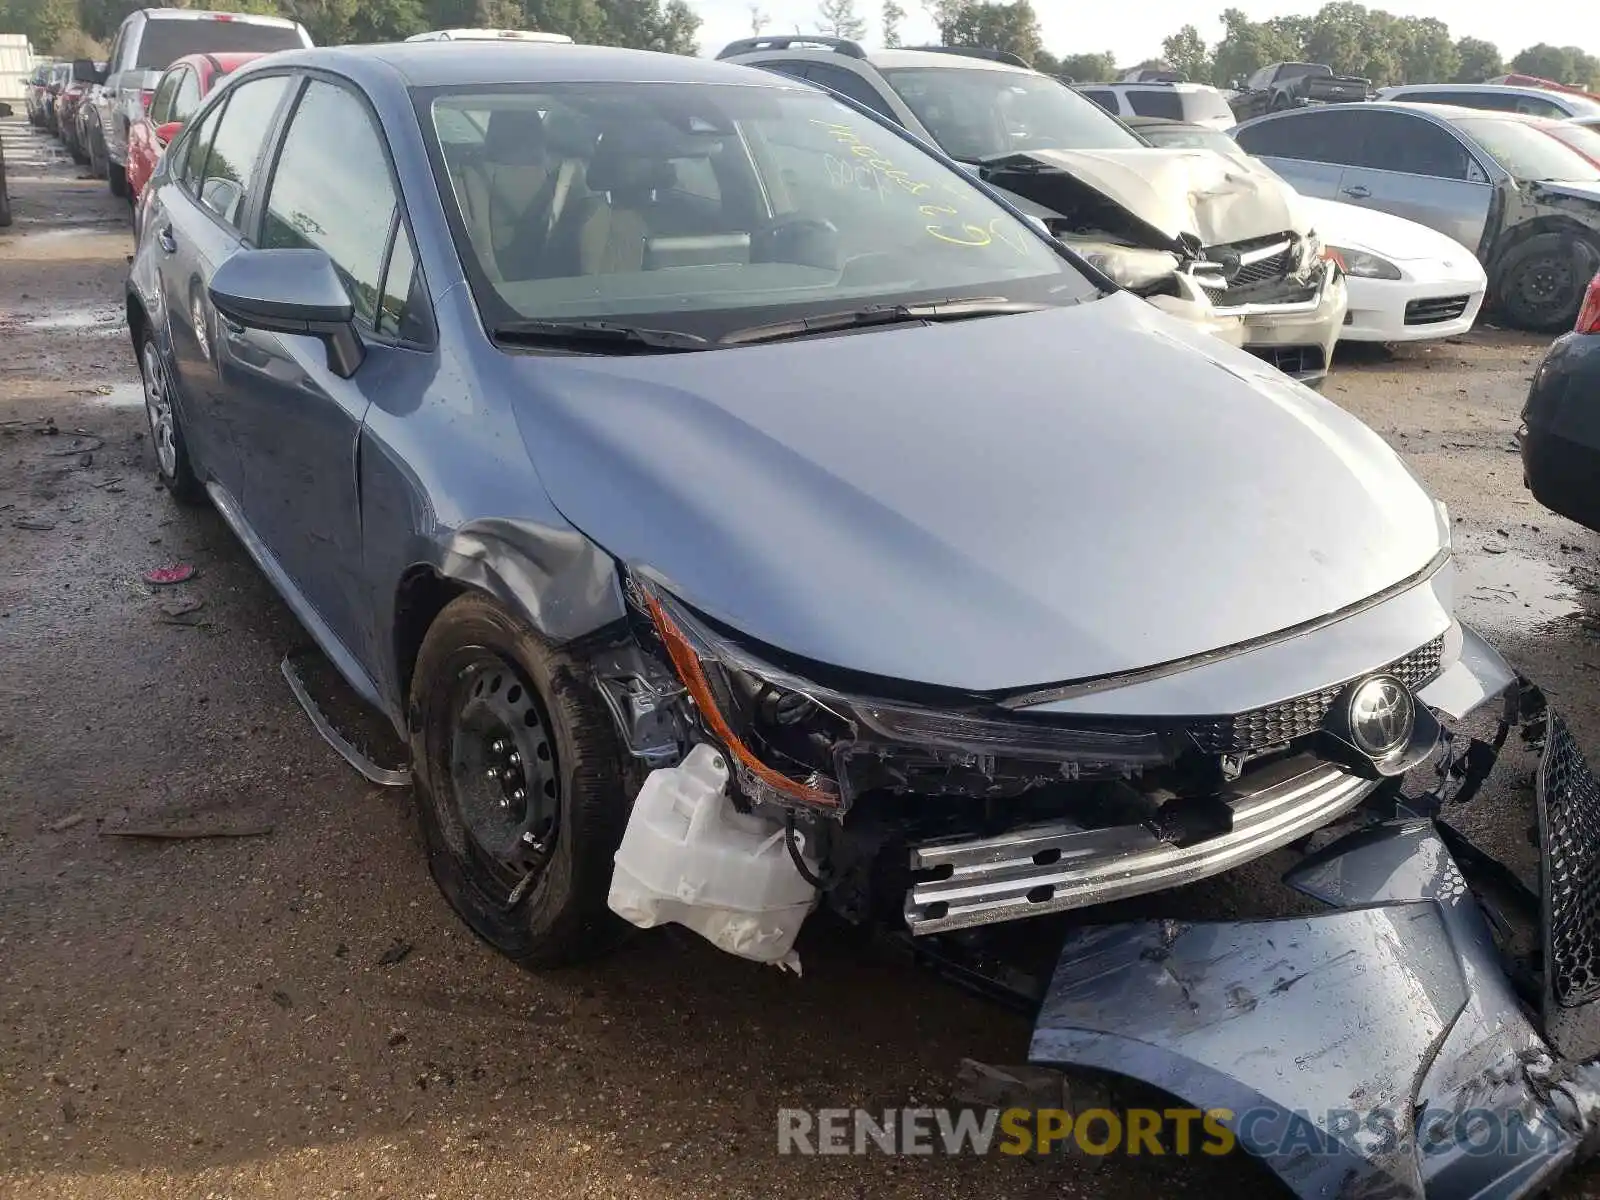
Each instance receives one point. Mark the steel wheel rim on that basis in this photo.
(158, 408)
(1547, 284)
(503, 772)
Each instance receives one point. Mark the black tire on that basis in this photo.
(478, 659)
(1540, 282)
(117, 180)
(174, 468)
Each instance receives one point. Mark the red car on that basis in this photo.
(182, 87)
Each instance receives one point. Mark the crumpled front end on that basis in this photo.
(1402, 1044)
(1166, 222)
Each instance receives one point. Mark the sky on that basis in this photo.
(1134, 30)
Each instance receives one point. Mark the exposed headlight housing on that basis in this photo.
(1359, 264)
(793, 742)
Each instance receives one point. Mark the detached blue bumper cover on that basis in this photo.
(1379, 1049)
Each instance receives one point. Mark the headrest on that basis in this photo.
(619, 168)
(515, 138)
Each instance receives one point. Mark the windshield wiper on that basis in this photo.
(597, 337)
(953, 309)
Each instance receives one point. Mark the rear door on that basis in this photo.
(1417, 169)
(196, 225)
(332, 188)
(1311, 148)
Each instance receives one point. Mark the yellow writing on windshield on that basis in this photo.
(947, 223)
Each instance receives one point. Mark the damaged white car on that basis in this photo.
(1221, 244)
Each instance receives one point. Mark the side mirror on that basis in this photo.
(165, 133)
(291, 291)
(5, 109)
(84, 70)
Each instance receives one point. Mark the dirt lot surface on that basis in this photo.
(296, 1012)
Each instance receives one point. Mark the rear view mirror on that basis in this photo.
(291, 291)
(165, 133)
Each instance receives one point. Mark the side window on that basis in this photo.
(1104, 97)
(697, 177)
(400, 310)
(848, 83)
(793, 68)
(187, 97)
(1539, 108)
(161, 105)
(332, 191)
(1400, 142)
(1314, 135)
(196, 149)
(230, 172)
(1152, 103)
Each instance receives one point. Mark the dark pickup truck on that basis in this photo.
(1286, 85)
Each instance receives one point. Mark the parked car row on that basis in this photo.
(101, 111)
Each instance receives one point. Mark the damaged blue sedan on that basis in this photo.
(736, 509)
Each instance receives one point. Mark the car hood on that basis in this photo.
(1380, 233)
(1198, 193)
(1578, 191)
(997, 503)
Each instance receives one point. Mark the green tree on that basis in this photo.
(838, 18)
(1247, 46)
(1187, 51)
(1477, 60)
(45, 22)
(1427, 53)
(1012, 27)
(1088, 68)
(1563, 64)
(893, 14)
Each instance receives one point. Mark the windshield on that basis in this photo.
(704, 210)
(1191, 137)
(1584, 140)
(1526, 153)
(164, 42)
(975, 114)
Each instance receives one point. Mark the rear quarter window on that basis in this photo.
(163, 42)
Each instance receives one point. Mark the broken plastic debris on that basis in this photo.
(689, 857)
(162, 576)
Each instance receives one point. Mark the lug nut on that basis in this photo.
(498, 745)
(514, 759)
(519, 795)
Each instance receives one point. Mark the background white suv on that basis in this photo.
(1191, 103)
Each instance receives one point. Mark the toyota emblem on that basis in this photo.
(1382, 716)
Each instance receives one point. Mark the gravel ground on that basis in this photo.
(297, 1012)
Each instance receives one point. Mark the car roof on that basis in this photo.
(217, 60)
(466, 63)
(902, 59)
(1175, 86)
(202, 14)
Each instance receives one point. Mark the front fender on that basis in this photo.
(556, 579)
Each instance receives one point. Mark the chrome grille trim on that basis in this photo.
(992, 879)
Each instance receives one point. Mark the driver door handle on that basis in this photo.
(166, 241)
(1357, 193)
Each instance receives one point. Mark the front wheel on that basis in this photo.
(519, 785)
(1542, 280)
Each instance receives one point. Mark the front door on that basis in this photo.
(1419, 170)
(332, 190)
